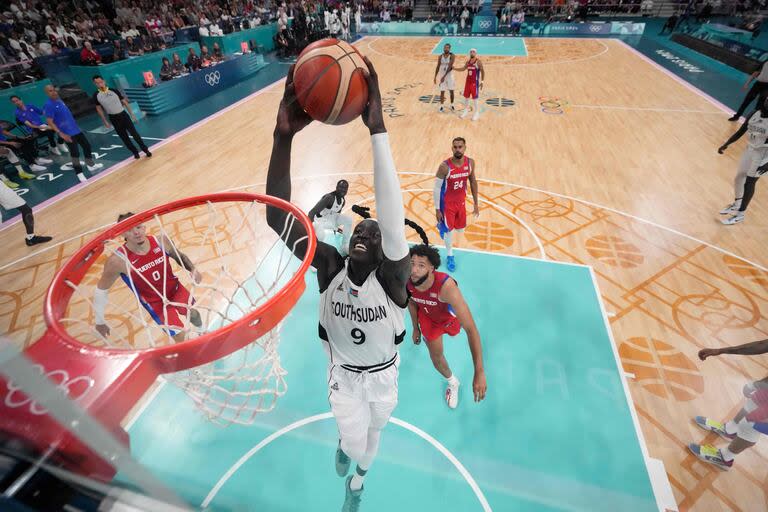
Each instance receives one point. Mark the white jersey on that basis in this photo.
(445, 62)
(336, 207)
(757, 130)
(362, 325)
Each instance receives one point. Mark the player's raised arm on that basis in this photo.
(291, 119)
(451, 294)
(395, 269)
(112, 270)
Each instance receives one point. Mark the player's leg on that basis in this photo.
(74, 153)
(10, 200)
(434, 340)
(14, 160)
(467, 94)
(746, 179)
(442, 98)
(82, 140)
(352, 418)
(475, 100)
(451, 92)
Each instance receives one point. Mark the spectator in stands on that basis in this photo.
(214, 29)
(216, 53)
(205, 57)
(517, 21)
(119, 51)
(177, 66)
(129, 32)
(120, 114)
(148, 47)
(31, 119)
(133, 47)
(193, 61)
(385, 16)
(670, 24)
(166, 70)
(88, 56)
(759, 89)
(464, 18)
(203, 31)
(283, 46)
(61, 121)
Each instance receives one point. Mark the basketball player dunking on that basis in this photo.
(754, 163)
(142, 263)
(444, 72)
(450, 195)
(437, 307)
(362, 297)
(327, 218)
(474, 83)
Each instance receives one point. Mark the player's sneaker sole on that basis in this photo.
(713, 426)
(733, 219)
(711, 455)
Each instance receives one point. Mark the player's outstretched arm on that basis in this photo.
(462, 68)
(396, 268)
(736, 136)
(413, 310)
(180, 258)
(442, 173)
(755, 348)
(290, 120)
(451, 294)
(112, 269)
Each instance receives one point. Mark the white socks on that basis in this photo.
(357, 479)
(727, 454)
(730, 427)
(449, 243)
(452, 380)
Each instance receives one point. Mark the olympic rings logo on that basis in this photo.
(485, 24)
(74, 388)
(213, 79)
(552, 105)
(595, 28)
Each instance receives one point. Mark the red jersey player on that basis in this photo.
(474, 83)
(437, 307)
(450, 195)
(143, 264)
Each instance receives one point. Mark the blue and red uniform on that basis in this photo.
(453, 196)
(472, 85)
(435, 317)
(151, 275)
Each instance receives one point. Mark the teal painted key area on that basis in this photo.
(555, 432)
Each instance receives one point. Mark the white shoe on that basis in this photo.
(94, 167)
(452, 395)
(81, 177)
(42, 161)
(442, 109)
(476, 116)
(733, 219)
(464, 114)
(63, 148)
(453, 109)
(731, 208)
(36, 167)
(56, 151)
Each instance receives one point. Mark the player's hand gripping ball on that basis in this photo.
(330, 82)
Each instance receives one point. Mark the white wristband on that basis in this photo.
(99, 305)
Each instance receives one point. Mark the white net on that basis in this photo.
(238, 264)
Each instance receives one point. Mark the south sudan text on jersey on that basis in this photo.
(362, 315)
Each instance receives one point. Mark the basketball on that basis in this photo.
(329, 80)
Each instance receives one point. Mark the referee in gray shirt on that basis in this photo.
(115, 105)
(759, 89)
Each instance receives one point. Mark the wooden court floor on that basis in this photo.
(585, 153)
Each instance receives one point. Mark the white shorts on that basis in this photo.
(751, 160)
(10, 199)
(360, 401)
(448, 84)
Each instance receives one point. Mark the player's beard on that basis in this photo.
(457, 155)
(420, 281)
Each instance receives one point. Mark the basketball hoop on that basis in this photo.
(229, 365)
